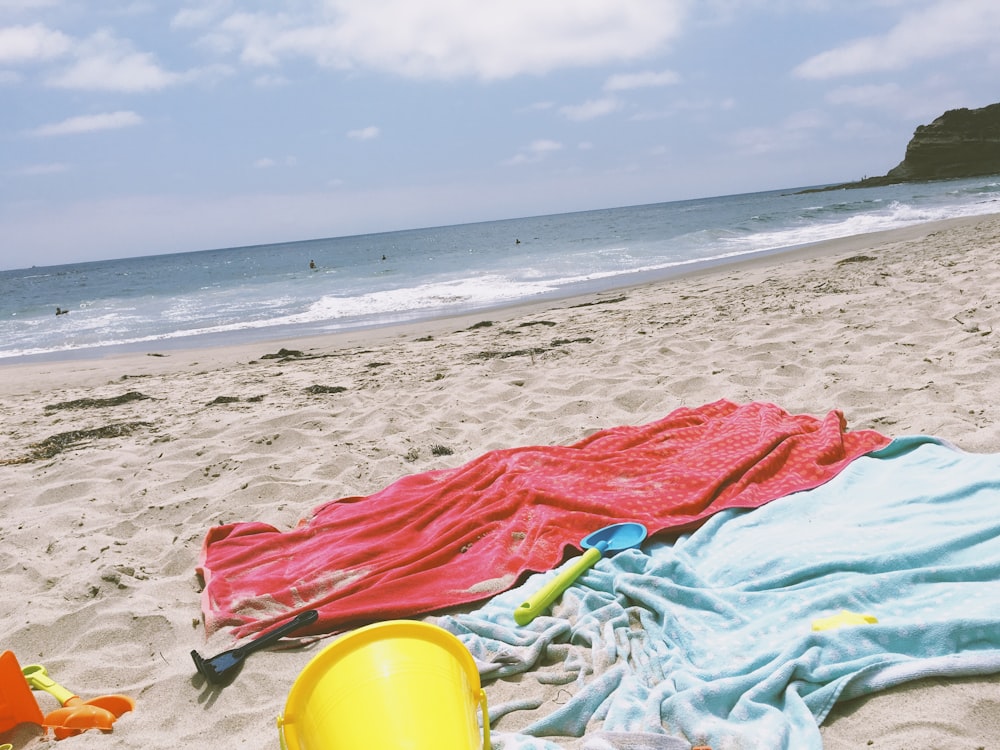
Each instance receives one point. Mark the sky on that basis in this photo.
(134, 127)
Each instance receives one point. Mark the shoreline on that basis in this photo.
(107, 499)
(377, 333)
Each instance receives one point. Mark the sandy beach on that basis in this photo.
(113, 469)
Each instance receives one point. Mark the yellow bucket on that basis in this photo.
(399, 684)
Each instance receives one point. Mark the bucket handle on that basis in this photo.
(486, 720)
(281, 732)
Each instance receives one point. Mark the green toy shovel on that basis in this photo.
(612, 538)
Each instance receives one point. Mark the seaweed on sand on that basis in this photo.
(285, 354)
(97, 403)
(64, 441)
(855, 259)
(556, 343)
(235, 400)
(609, 301)
(318, 389)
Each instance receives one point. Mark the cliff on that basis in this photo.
(959, 143)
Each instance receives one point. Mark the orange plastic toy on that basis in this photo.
(17, 703)
(76, 714)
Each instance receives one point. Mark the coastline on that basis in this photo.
(209, 348)
(896, 329)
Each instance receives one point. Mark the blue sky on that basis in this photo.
(136, 128)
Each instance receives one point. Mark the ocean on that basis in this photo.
(269, 292)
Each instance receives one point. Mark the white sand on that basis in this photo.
(99, 542)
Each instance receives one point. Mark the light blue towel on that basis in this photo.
(709, 640)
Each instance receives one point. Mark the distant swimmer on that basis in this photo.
(60, 311)
(517, 242)
(383, 257)
(312, 265)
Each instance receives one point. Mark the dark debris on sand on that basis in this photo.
(220, 400)
(295, 355)
(64, 441)
(610, 301)
(98, 403)
(556, 343)
(284, 354)
(855, 259)
(316, 390)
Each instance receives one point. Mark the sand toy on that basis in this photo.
(76, 714)
(222, 668)
(844, 618)
(17, 703)
(614, 538)
(394, 684)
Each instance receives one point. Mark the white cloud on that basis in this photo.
(101, 62)
(458, 38)
(945, 28)
(106, 63)
(89, 124)
(24, 44)
(136, 8)
(535, 151)
(364, 134)
(591, 109)
(201, 15)
(645, 79)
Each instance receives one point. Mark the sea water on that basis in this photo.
(270, 292)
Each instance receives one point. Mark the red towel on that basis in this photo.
(452, 536)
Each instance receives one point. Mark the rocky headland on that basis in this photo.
(959, 143)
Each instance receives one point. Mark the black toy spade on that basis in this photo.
(222, 668)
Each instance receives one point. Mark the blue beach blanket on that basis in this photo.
(708, 640)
